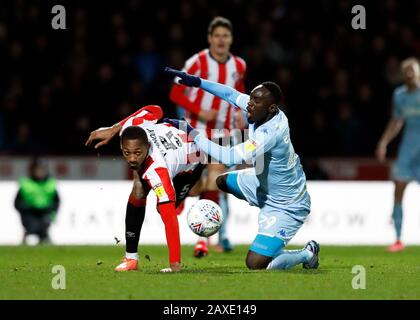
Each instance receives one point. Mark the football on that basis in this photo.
(205, 218)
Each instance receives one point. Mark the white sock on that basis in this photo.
(310, 253)
(130, 255)
(290, 258)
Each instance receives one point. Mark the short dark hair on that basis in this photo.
(219, 22)
(134, 133)
(275, 91)
(35, 163)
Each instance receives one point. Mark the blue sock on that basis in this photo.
(397, 215)
(290, 258)
(223, 203)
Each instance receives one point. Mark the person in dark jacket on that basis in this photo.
(37, 201)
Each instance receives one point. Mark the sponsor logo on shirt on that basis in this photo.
(155, 141)
(250, 145)
(159, 190)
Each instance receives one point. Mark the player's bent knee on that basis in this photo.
(251, 265)
(221, 182)
(255, 261)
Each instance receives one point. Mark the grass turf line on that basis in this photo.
(26, 273)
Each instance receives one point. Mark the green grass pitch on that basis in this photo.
(26, 273)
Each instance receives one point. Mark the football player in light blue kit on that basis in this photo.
(406, 104)
(276, 183)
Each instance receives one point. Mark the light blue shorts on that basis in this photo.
(275, 230)
(407, 166)
(276, 225)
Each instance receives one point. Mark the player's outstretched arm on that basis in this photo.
(168, 214)
(226, 93)
(226, 155)
(104, 135)
(220, 90)
(263, 141)
(150, 113)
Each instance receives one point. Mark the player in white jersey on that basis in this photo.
(406, 104)
(162, 160)
(209, 113)
(276, 183)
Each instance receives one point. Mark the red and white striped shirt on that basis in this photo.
(170, 152)
(147, 115)
(193, 100)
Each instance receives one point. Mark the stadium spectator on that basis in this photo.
(37, 201)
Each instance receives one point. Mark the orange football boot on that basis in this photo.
(396, 247)
(127, 265)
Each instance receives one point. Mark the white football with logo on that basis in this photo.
(205, 218)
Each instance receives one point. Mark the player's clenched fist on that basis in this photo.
(184, 78)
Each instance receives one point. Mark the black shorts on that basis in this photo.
(184, 182)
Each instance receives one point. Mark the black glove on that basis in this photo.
(186, 79)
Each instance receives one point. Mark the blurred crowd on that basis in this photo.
(58, 85)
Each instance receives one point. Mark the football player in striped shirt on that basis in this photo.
(209, 113)
(162, 160)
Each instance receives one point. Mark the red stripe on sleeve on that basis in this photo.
(167, 212)
(154, 113)
(177, 94)
(137, 121)
(166, 183)
(194, 67)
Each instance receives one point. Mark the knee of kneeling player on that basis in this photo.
(221, 182)
(253, 264)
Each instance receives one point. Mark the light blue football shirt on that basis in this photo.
(277, 166)
(407, 107)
